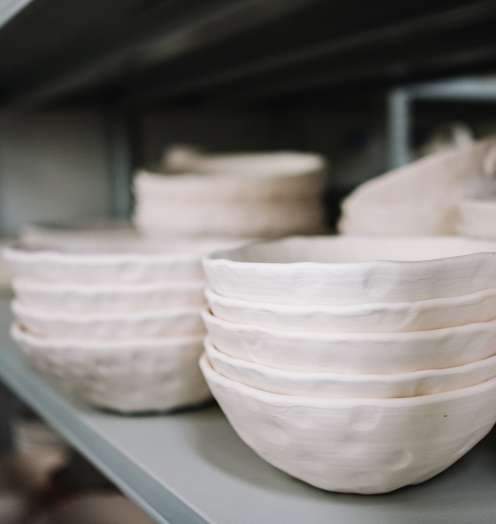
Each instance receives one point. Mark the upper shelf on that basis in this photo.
(143, 51)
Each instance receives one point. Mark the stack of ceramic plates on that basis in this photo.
(119, 325)
(477, 218)
(421, 198)
(245, 196)
(357, 364)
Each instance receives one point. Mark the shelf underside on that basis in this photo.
(149, 51)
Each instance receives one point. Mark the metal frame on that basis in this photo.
(400, 113)
(122, 149)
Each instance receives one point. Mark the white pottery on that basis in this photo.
(129, 375)
(477, 218)
(366, 353)
(263, 219)
(357, 445)
(345, 270)
(158, 323)
(377, 219)
(397, 203)
(57, 266)
(251, 178)
(381, 317)
(343, 385)
(121, 260)
(72, 234)
(66, 297)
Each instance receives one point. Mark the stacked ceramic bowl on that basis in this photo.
(117, 323)
(397, 203)
(244, 196)
(357, 364)
(477, 218)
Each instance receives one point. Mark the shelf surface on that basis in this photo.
(190, 467)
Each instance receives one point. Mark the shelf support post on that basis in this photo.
(399, 121)
(122, 148)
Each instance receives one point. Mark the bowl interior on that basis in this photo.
(346, 249)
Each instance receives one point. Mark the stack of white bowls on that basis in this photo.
(118, 323)
(357, 364)
(241, 195)
(421, 198)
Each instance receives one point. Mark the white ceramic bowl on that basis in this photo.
(345, 270)
(342, 385)
(265, 219)
(366, 353)
(66, 297)
(357, 445)
(398, 219)
(119, 261)
(238, 177)
(383, 317)
(159, 323)
(397, 202)
(124, 375)
(477, 218)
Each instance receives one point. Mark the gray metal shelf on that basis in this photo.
(146, 52)
(190, 467)
(400, 100)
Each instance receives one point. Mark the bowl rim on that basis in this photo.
(20, 309)
(21, 334)
(34, 255)
(93, 288)
(312, 163)
(290, 401)
(274, 307)
(276, 373)
(209, 317)
(221, 256)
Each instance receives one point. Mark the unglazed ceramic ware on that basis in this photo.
(345, 270)
(66, 297)
(398, 203)
(357, 445)
(236, 178)
(255, 220)
(72, 234)
(477, 218)
(124, 375)
(158, 323)
(343, 385)
(367, 353)
(58, 266)
(382, 317)
(377, 219)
